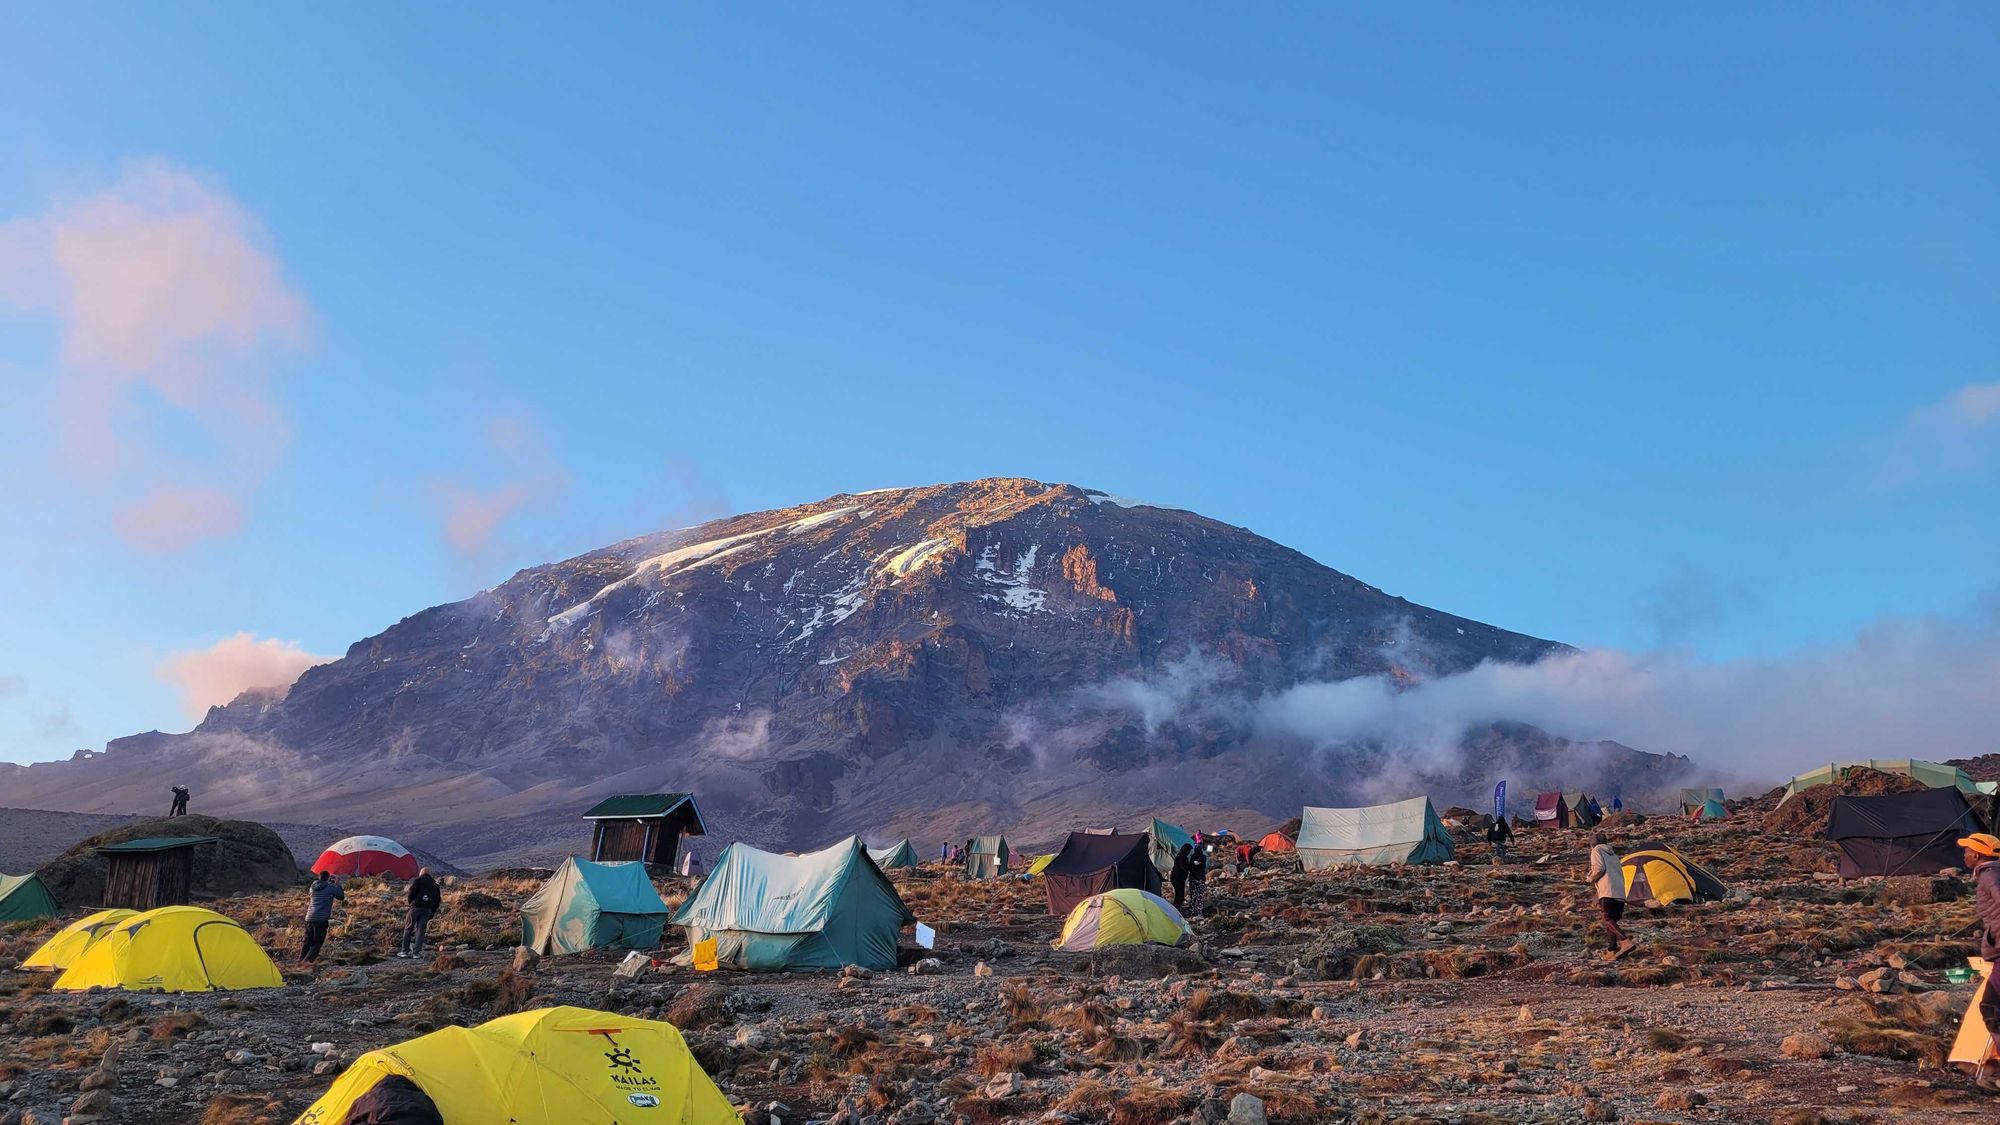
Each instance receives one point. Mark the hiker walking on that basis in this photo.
(1179, 874)
(319, 912)
(1499, 834)
(180, 805)
(1982, 858)
(1607, 877)
(424, 898)
(1197, 880)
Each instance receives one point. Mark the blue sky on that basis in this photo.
(1631, 333)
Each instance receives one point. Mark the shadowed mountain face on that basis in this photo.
(933, 662)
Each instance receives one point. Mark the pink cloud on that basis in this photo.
(526, 476)
(213, 676)
(167, 305)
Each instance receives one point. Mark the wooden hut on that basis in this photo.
(643, 826)
(151, 872)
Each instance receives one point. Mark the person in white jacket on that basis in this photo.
(1607, 877)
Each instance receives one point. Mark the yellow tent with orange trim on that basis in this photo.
(550, 1066)
(60, 951)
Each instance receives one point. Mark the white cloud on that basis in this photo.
(213, 676)
(168, 309)
(1957, 435)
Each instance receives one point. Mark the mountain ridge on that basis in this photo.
(993, 654)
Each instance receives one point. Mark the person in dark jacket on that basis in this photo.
(319, 913)
(1179, 875)
(180, 805)
(1197, 882)
(1500, 834)
(424, 899)
(1982, 858)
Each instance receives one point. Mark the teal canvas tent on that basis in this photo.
(798, 913)
(1405, 832)
(1166, 840)
(898, 854)
(23, 897)
(587, 905)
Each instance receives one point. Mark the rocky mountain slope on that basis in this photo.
(995, 655)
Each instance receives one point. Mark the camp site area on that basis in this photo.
(1400, 985)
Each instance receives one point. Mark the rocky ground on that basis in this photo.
(1463, 993)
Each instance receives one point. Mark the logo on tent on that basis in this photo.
(624, 1060)
(643, 1101)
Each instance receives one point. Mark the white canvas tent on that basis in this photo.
(1404, 832)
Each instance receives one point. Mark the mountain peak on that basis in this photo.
(1001, 653)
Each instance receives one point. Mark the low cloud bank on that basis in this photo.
(1926, 687)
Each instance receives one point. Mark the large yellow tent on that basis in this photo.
(1126, 916)
(173, 949)
(62, 950)
(550, 1066)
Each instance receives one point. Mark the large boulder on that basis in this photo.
(246, 858)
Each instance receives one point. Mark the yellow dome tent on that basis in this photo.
(1126, 916)
(1665, 876)
(62, 950)
(550, 1066)
(173, 949)
(1040, 861)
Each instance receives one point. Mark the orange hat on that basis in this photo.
(1982, 843)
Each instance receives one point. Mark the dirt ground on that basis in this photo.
(1461, 993)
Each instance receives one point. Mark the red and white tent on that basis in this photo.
(367, 855)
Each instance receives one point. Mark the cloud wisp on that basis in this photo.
(169, 310)
(525, 476)
(213, 676)
(1956, 436)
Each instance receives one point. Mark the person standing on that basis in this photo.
(319, 913)
(1499, 834)
(1197, 881)
(1179, 874)
(1607, 877)
(1982, 858)
(180, 805)
(424, 899)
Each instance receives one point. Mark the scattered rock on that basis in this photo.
(1805, 1045)
(1246, 1109)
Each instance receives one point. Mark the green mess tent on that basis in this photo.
(1930, 773)
(899, 854)
(1166, 840)
(798, 913)
(23, 898)
(587, 905)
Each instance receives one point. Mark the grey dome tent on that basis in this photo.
(1404, 832)
(799, 913)
(1901, 833)
(1091, 863)
(587, 905)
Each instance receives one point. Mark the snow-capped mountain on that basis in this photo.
(998, 655)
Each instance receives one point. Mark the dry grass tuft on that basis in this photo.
(243, 1109)
(1885, 1039)
(174, 1025)
(1004, 1060)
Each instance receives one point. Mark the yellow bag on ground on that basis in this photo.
(1974, 1045)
